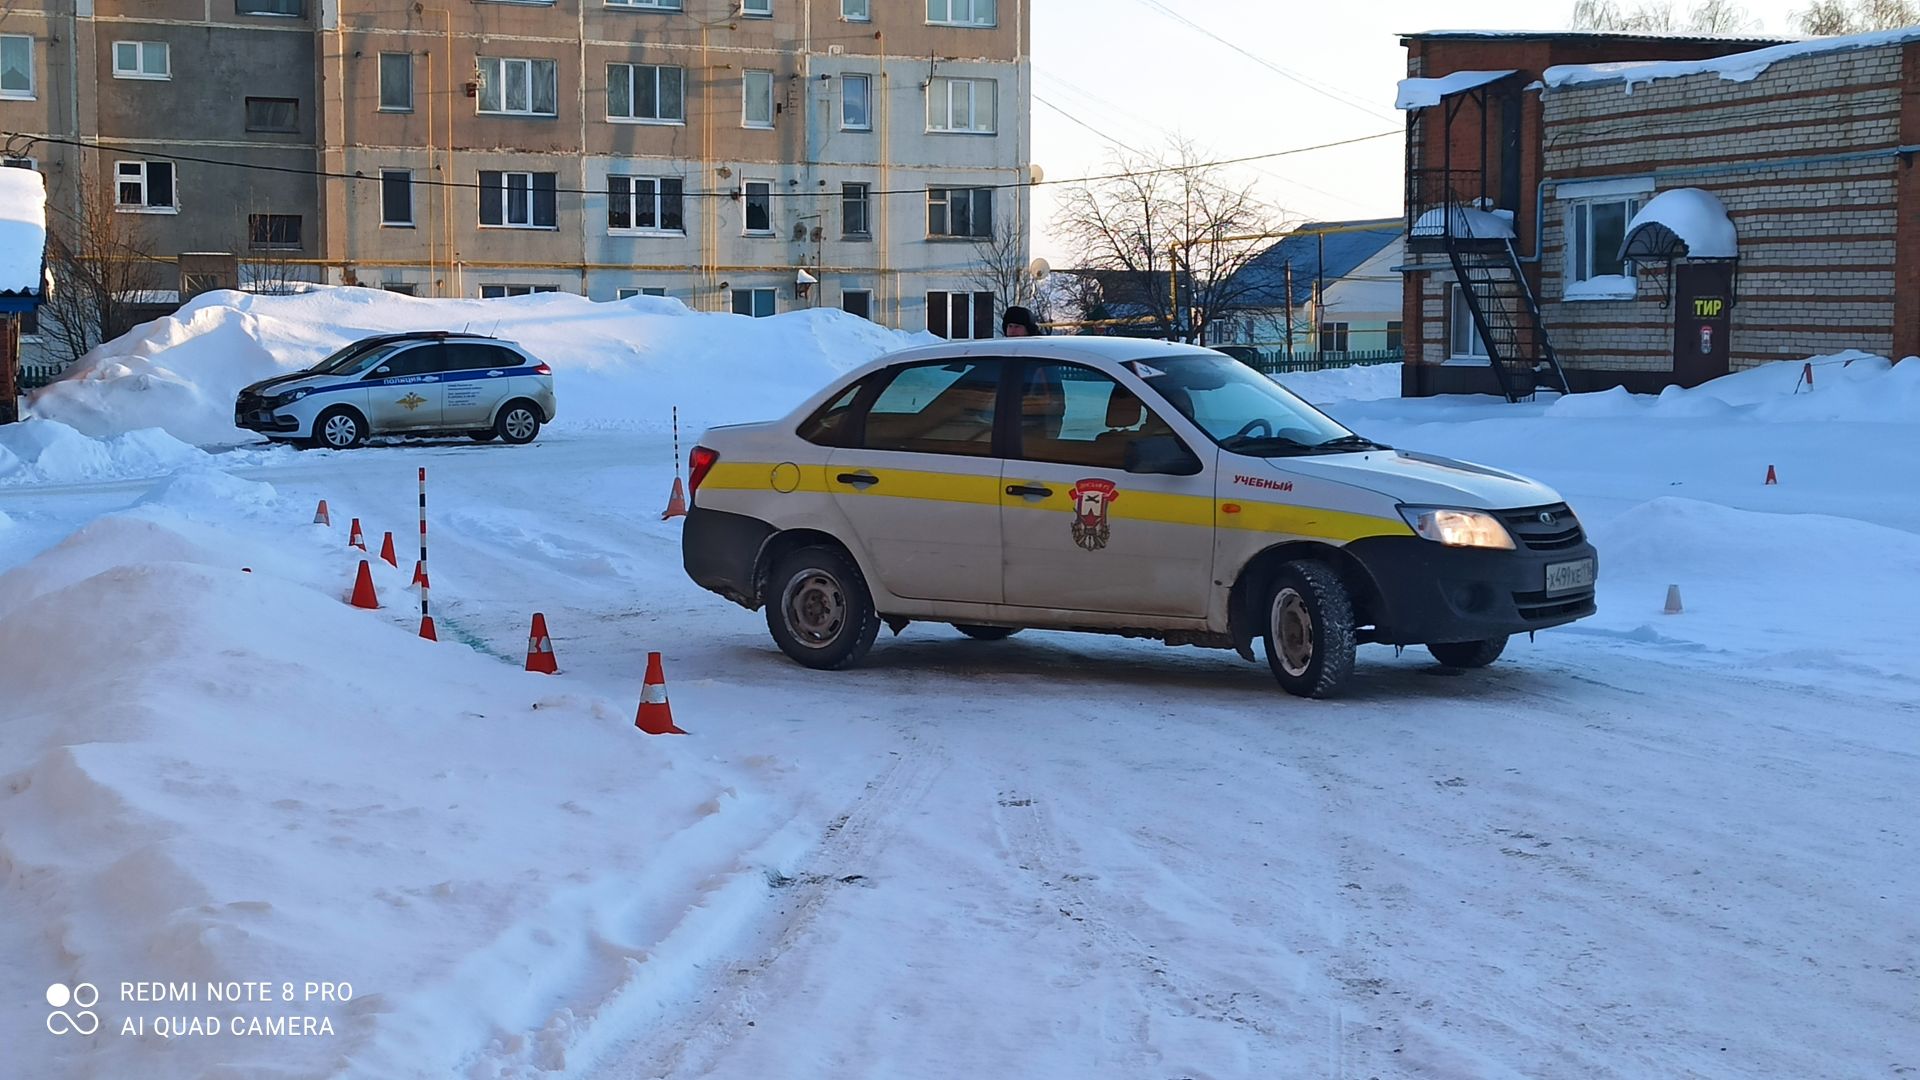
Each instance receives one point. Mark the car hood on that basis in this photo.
(1421, 479)
(266, 387)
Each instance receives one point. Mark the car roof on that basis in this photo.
(1111, 350)
(428, 335)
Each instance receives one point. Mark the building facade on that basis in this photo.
(742, 155)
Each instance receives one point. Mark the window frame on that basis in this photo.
(633, 68)
(628, 292)
(847, 81)
(647, 5)
(533, 191)
(746, 208)
(846, 294)
(979, 302)
(951, 83)
(240, 7)
(1456, 307)
(497, 66)
(866, 11)
(507, 292)
(247, 104)
(633, 180)
(764, 10)
(754, 293)
(33, 73)
(380, 90)
(864, 191)
(139, 69)
(1341, 332)
(386, 220)
(146, 205)
(945, 207)
(1579, 227)
(254, 231)
(746, 99)
(972, 22)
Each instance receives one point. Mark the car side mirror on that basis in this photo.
(383, 370)
(1160, 455)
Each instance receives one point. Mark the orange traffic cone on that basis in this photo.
(419, 574)
(540, 656)
(1673, 600)
(1771, 479)
(426, 628)
(386, 552)
(354, 537)
(320, 515)
(363, 588)
(676, 502)
(656, 716)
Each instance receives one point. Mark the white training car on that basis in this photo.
(1119, 486)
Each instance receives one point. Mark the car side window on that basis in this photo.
(470, 356)
(837, 423)
(936, 408)
(419, 360)
(1073, 415)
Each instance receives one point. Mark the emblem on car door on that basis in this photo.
(1091, 498)
(411, 402)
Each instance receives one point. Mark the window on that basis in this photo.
(396, 82)
(1463, 338)
(517, 200)
(939, 408)
(418, 360)
(961, 105)
(1334, 336)
(404, 288)
(514, 87)
(649, 5)
(273, 231)
(648, 93)
(761, 8)
(1595, 230)
(1396, 337)
(396, 197)
(856, 103)
(959, 315)
(644, 203)
(16, 66)
(20, 163)
(1072, 415)
(475, 356)
(496, 292)
(756, 99)
(759, 208)
(629, 292)
(960, 212)
(269, 7)
(758, 303)
(855, 11)
(960, 12)
(857, 302)
(856, 204)
(143, 185)
(273, 114)
(141, 60)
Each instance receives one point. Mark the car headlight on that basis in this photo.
(287, 398)
(1458, 528)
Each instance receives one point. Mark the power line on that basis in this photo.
(1322, 89)
(12, 140)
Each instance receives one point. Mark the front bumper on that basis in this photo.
(251, 412)
(1428, 592)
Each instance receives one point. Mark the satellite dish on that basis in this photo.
(1036, 174)
(1038, 269)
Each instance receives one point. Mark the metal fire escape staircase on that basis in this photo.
(1505, 311)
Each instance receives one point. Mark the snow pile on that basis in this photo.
(1485, 224)
(23, 230)
(1601, 287)
(1850, 386)
(47, 452)
(1737, 67)
(621, 364)
(1362, 382)
(263, 783)
(1426, 93)
(1696, 217)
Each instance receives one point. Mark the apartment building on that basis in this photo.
(742, 155)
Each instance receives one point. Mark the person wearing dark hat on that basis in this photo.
(1018, 322)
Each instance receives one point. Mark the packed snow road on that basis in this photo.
(1643, 846)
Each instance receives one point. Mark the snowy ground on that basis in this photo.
(1646, 845)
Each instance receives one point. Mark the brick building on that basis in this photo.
(1532, 160)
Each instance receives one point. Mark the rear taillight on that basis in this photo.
(542, 369)
(699, 464)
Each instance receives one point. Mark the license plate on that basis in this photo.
(1565, 577)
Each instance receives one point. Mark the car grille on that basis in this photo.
(1527, 528)
(1539, 607)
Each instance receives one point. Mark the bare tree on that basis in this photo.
(1663, 17)
(268, 255)
(1825, 18)
(1001, 267)
(1168, 240)
(102, 266)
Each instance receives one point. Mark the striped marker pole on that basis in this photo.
(676, 444)
(426, 615)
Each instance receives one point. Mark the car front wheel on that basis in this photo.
(339, 429)
(519, 422)
(819, 609)
(1309, 630)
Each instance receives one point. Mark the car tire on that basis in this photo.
(1309, 630)
(518, 422)
(819, 609)
(985, 633)
(339, 428)
(483, 436)
(1468, 654)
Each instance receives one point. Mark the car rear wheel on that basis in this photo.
(1468, 654)
(483, 436)
(1309, 630)
(339, 429)
(986, 633)
(519, 422)
(819, 609)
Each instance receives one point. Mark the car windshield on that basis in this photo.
(1244, 411)
(354, 359)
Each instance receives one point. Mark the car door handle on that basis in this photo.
(861, 480)
(1030, 491)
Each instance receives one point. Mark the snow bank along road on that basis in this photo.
(1644, 846)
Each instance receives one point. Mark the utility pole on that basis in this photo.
(1289, 265)
(1320, 298)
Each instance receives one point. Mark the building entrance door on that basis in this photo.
(1702, 306)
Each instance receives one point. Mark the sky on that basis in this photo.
(1128, 71)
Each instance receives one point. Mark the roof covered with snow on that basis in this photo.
(1587, 36)
(1687, 219)
(1734, 67)
(1426, 93)
(23, 231)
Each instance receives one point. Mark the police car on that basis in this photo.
(1123, 487)
(432, 383)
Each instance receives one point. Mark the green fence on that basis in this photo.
(35, 376)
(1278, 362)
